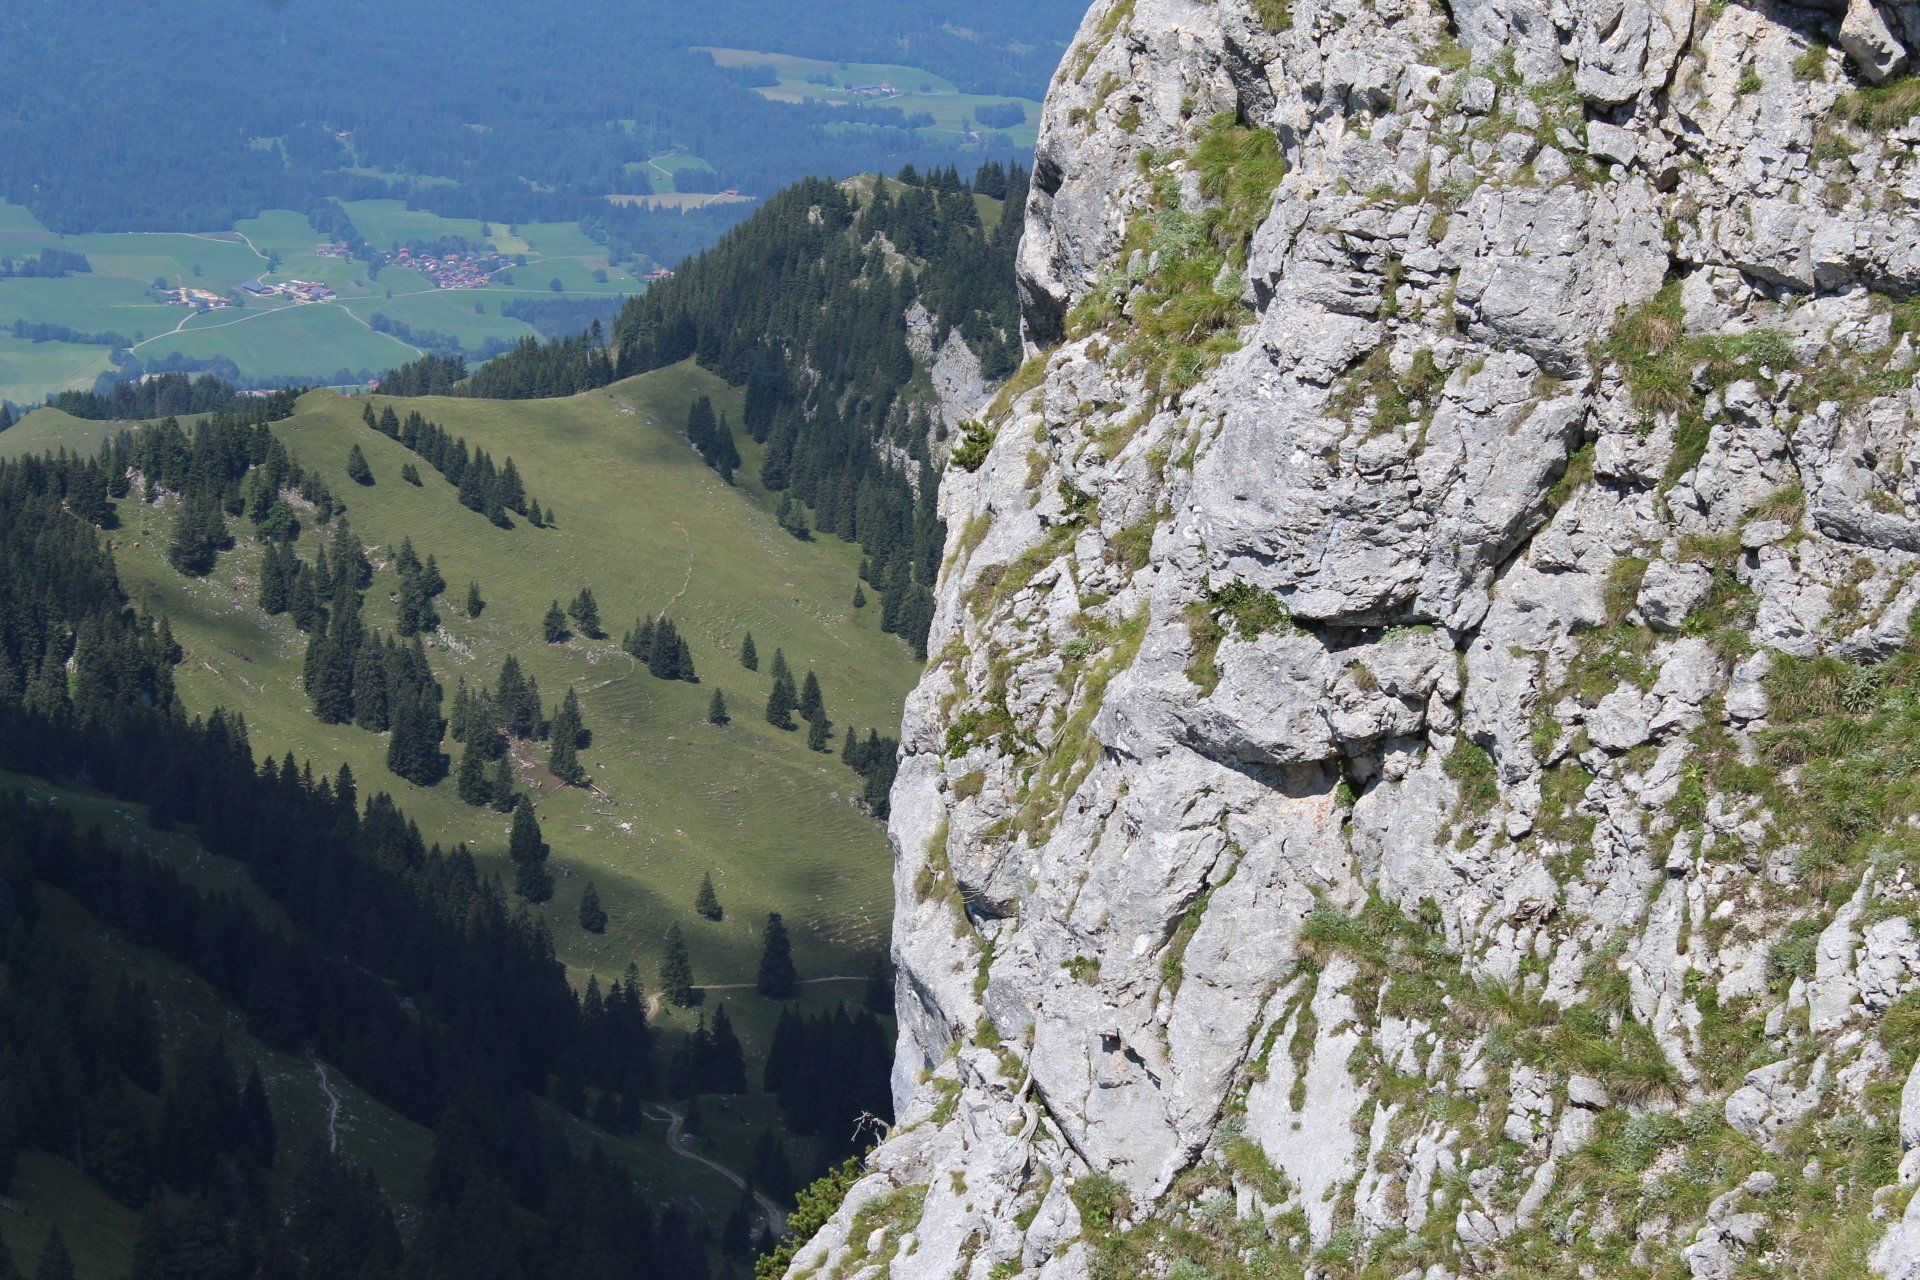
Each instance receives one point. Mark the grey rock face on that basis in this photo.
(1670, 592)
(1380, 779)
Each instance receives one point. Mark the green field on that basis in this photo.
(49, 430)
(658, 170)
(29, 370)
(274, 338)
(298, 342)
(649, 528)
(918, 91)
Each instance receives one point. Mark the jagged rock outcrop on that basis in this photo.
(1415, 775)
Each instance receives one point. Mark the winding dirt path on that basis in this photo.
(333, 1106)
(688, 580)
(681, 1144)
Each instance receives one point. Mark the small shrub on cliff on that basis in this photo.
(814, 1205)
(975, 442)
(1469, 765)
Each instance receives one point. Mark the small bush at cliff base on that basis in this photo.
(812, 1208)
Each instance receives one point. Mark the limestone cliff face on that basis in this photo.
(1415, 778)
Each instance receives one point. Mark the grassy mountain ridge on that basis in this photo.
(644, 522)
(650, 529)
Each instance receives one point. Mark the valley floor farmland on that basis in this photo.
(276, 338)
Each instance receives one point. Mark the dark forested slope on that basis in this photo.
(805, 305)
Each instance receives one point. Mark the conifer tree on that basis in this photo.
(592, 918)
(472, 782)
(513, 696)
(332, 686)
(777, 979)
(413, 750)
(676, 970)
(736, 1236)
(717, 709)
(639, 641)
(575, 720)
(199, 535)
(726, 1065)
(462, 710)
(586, 613)
(818, 734)
(812, 705)
(781, 699)
(500, 786)
(859, 597)
(663, 659)
(780, 704)
(258, 1137)
(474, 603)
(273, 581)
(563, 760)
(749, 657)
(529, 854)
(512, 491)
(879, 994)
(770, 1170)
(55, 1262)
(357, 469)
(553, 627)
(370, 709)
(707, 902)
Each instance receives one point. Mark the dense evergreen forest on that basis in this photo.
(535, 110)
(798, 306)
(169, 395)
(406, 969)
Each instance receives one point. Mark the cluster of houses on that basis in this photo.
(198, 299)
(452, 270)
(656, 275)
(298, 290)
(881, 90)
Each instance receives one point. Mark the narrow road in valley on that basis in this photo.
(681, 1144)
(333, 1105)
